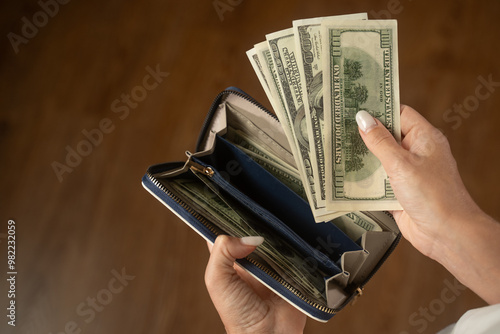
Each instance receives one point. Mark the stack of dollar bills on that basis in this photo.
(317, 76)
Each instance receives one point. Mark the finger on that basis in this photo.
(420, 136)
(220, 271)
(396, 214)
(261, 290)
(411, 119)
(379, 140)
(210, 246)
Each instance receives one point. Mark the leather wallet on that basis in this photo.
(229, 186)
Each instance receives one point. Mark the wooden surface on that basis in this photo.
(72, 234)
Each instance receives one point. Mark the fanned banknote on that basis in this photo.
(360, 73)
(317, 76)
(268, 76)
(309, 58)
(282, 48)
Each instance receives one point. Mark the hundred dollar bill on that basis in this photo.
(308, 43)
(355, 224)
(241, 139)
(287, 174)
(276, 95)
(360, 73)
(278, 253)
(287, 177)
(259, 71)
(282, 47)
(257, 135)
(277, 101)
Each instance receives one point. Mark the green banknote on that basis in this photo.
(308, 44)
(282, 47)
(360, 67)
(234, 220)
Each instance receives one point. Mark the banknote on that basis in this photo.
(275, 96)
(282, 47)
(355, 224)
(286, 173)
(257, 65)
(361, 73)
(308, 44)
(250, 143)
(258, 135)
(277, 253)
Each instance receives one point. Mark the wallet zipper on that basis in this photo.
(196, 167)
(186, 207)
(209, 172)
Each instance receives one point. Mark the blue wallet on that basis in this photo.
(242, 180)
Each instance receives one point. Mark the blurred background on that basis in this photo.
(66, 70)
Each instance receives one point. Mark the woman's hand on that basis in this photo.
(424, 176)
(440, 218)
(243, 303)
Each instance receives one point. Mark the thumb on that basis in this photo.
(379, 140)
(220, 271)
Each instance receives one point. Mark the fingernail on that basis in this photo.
(252, 241)
(365, 121)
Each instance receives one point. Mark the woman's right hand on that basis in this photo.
(439, 217)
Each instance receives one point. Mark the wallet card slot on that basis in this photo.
(377, 244)
(264, 191)
(352, 262)
(334, 290)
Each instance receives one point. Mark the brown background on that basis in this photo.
(72, 234)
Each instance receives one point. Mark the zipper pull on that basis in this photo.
(196, 167)
(359, 290)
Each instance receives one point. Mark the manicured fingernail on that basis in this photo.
(252, 241)
(365, 121)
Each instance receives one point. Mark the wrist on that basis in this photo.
(455, 237)
(469, 250)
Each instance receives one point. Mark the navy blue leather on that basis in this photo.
(239, 178)
(177, 208)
